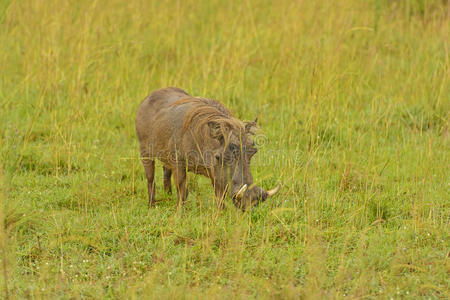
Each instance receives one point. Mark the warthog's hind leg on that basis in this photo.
(167, 184)
(149, 166)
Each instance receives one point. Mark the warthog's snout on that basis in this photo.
(246, 197)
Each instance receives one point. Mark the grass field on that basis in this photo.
(353, 101)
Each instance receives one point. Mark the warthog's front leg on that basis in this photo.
(179, 176)
(167, 175)
(220, 193)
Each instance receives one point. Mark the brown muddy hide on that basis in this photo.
(232, 172)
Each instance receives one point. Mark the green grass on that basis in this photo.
(352, 98)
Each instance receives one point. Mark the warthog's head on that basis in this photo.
(226, 149)
(233, 152)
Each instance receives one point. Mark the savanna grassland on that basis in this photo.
(353, 101)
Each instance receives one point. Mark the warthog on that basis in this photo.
(198, 135)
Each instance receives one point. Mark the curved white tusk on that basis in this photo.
(273, 191)
(241, 191)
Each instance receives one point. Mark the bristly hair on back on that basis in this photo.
(206, 112)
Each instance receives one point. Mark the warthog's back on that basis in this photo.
(157, 122)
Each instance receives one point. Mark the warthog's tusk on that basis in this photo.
(273, 191)
(241, 192)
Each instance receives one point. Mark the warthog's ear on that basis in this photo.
(250, 125)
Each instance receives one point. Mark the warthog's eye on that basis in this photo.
(234, 149)
(250, 149)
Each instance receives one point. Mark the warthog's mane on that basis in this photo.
(204, 112)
